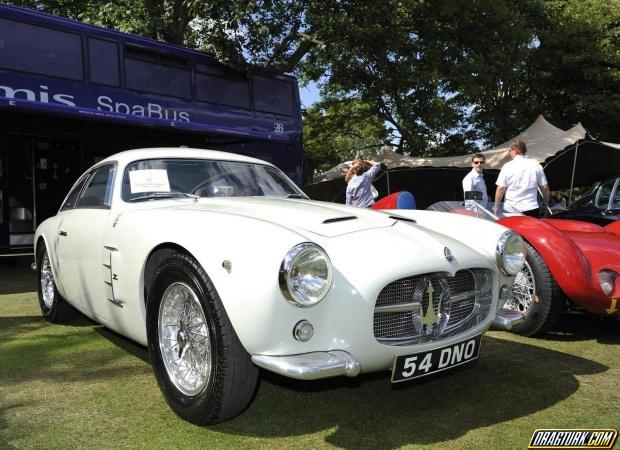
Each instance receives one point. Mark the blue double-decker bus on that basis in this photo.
(72, 94)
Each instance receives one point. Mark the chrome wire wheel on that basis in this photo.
(523, 290)
(47, 281)
(184, 339)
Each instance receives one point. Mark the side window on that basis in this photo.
(40, 50)
(603, 195)
(615, 204)
(98, 191)
(103, 62)
(73, 195)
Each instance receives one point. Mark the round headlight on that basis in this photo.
(607, 281)
(305, 274)
(510, 253)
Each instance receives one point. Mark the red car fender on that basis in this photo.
(613, 227)
(568, 265)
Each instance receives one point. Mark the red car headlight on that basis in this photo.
(607, 281)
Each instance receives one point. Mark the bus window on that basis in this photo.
(144, 72)
(273, 96)
(39, 50)
(223, 90)
(103, 62)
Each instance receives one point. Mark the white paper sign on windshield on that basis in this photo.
(152, 180)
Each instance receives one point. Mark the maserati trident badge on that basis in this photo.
(448, 254)
(430, 317)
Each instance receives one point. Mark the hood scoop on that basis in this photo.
(339, 219)
(403, 219)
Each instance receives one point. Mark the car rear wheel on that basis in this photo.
(205, 374)
(53, 306)
(536, 295)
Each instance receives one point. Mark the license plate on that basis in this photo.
(408, 367)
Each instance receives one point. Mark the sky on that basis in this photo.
(309, 95)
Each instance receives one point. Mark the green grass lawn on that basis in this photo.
(80, 385)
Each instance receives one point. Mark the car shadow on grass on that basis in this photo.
(510, 380)
(584, 327)
(33, 349)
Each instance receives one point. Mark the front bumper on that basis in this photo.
(310, 366)
(506, 319)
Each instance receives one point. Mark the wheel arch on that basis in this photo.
(566, 262)
(155, 256)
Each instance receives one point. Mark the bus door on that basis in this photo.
(40, 171)
(4, 207)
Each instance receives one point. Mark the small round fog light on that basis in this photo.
(505, 292)
(303, 330)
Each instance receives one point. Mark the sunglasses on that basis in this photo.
(478, 162)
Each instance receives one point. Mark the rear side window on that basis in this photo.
(273, 96)
(98, 191)
(73, 195)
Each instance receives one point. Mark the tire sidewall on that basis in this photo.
(535, 317)
(45, 311)
(177, 269)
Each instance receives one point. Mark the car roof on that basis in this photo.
(129, 156)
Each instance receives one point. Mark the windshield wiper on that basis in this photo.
(160, 195)
(296, 196)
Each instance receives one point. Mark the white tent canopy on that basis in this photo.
(543, 141)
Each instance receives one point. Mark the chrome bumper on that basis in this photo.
(506, 319)
(310, 366)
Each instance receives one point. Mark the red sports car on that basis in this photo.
(570, 264)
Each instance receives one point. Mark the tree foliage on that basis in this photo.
(577, 65)
(339, 130)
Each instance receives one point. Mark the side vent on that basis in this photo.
(109, 277)
(339, 219)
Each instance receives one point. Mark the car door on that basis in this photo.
(81, 241)
(65, 261)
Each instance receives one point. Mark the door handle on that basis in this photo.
(62, 233)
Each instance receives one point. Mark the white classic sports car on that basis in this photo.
(221, 265)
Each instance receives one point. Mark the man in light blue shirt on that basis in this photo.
(359, 183)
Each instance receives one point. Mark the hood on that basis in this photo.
(324, 219)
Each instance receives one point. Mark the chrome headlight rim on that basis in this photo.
(500, 254)
(285, 274)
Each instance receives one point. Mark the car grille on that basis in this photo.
(403, 314)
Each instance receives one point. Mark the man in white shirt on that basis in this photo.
(359, 183)
(474, 181)
(520, 179)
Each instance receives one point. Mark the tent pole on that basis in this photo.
(387, 173)
(572, 178)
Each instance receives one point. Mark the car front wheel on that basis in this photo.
(53, 306)
(536, 295)
(205, 374)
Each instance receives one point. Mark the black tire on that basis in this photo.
(56, 309)
(548, 302)
(232, 377)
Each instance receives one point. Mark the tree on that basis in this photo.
(337, 131)
(577, 65)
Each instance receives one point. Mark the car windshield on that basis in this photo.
(475, 209)
(177, 177)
